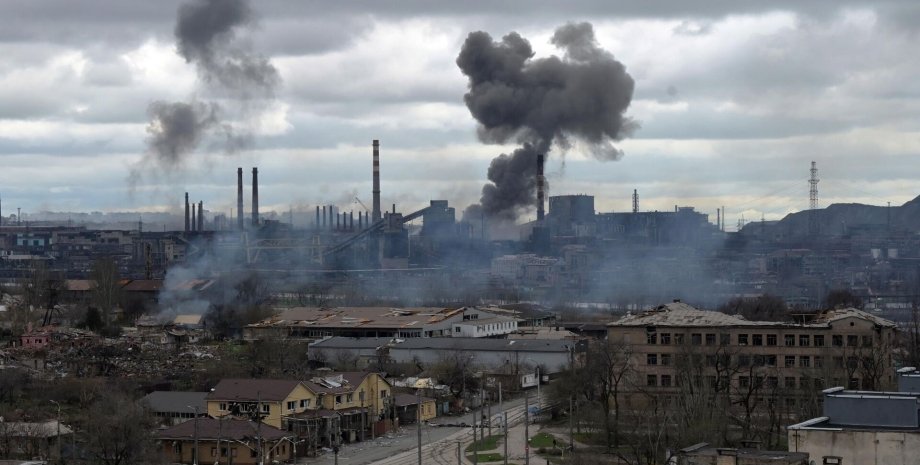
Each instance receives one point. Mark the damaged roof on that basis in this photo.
(229, 429)
(364, 317)
(252, 390)
(679, 314)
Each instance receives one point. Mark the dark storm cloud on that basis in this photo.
(538, 102)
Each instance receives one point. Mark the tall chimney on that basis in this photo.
(239, 199)
(200, 215)
(376, 191)
(331, 216)
(194, 222)
(719, 219)
(255, 196)
(317, 217)
(187, 218)
(540, 193)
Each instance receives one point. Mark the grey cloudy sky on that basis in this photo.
(734, 100)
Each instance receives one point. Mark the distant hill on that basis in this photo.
(836, 218)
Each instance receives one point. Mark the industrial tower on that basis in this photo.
(813, 201)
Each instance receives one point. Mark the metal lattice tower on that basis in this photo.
(813, 200)
(635, 201)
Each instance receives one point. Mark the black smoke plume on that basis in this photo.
(206, 36)
(542, 102)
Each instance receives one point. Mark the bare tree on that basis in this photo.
(107, 287)
(118, 432)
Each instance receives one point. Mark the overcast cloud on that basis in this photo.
(734, 100)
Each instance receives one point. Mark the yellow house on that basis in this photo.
(353, 390)
(407, 408)
(273, 398)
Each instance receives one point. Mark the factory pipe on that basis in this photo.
(323, 226)
(239, 199)
(194, 222)
(376, 191)
(186, 213)
(540, 191)
(255, 196)
(200, 215)
(317, 217)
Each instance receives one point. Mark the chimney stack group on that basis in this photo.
(376, 191)
(255, 196)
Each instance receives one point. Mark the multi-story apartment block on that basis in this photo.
(676, 344)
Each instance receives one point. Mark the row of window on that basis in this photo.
(724, 360)
(789, 340)
(789, 382)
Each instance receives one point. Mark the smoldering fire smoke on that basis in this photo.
(205, 36)
(541, 103)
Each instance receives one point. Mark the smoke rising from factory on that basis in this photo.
(542, 103)
(241, 80)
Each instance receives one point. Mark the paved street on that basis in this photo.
(439, 444)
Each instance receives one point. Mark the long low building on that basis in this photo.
(551, 355)
(318, 323)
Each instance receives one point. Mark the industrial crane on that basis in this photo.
(359, 202)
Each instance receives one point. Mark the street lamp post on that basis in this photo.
(57, 438)
(195, 450)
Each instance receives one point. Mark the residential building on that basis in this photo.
(861, 427)
(908, 380)
(32, 439)
(704, 454)
(273, 399)
(676, 343)
(226, 440)
(407, 408)
(174, 407)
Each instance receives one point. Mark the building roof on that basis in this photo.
(176, 401)
(251, 390)
(188, 320)
(762, 456)
(866, 411)
(359, 317)
(44, 429)
(679, 314)
(227, 429)
(143, 285)
(352, 343)
(484, 344)
(337, 382)
(402, 399)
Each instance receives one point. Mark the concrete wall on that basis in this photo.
(553, 362)
(858, 447)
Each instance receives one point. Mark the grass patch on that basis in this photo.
(542, 440)
(591, 439)
(488, 457)
(488, 443)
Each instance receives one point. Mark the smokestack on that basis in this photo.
(540, 193)
(187, 218)
(351, 220)
(255, 196)
(239, 198)
(194, 222)
(719, 218)
(317, 217)
(200, 215)
(338, 221)
(331, 215)
(324, 217)
(376, 180)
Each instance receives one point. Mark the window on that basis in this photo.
(804, 340)
(383, 394)
(652, 338)
(757, 340)
(837, 340)
(819, 340)
(838, 362)
(265, 408)
(665, 359)
(725, 339)
(852, 341)
(804, 361)
(789, 361)
(651, 359)
(771, 360)
(678, 339)
(790, 382)
(292, 404)
(350, 397)
(696, 339)
(819, 383)
(744, 381)
(304, 403)
(338, 399)
(789, 340)
(867, 341)
(710, 339)
(771, 339)
(744, 360)
(665, 380)
(651, 380)
(759, 360)
(456, 329)
(665, 338)
(772, 381)
(710, 360)
(819, 361)
(852, 362)
(223, 407)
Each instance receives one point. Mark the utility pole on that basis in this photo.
(418, 422)
(475, 447)
(526, 429)
(258, 415)
(571, 423)
(459, 454)
(58, 437)
(539, 381)
(505, 428)
(220, 433)
(195, 450)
